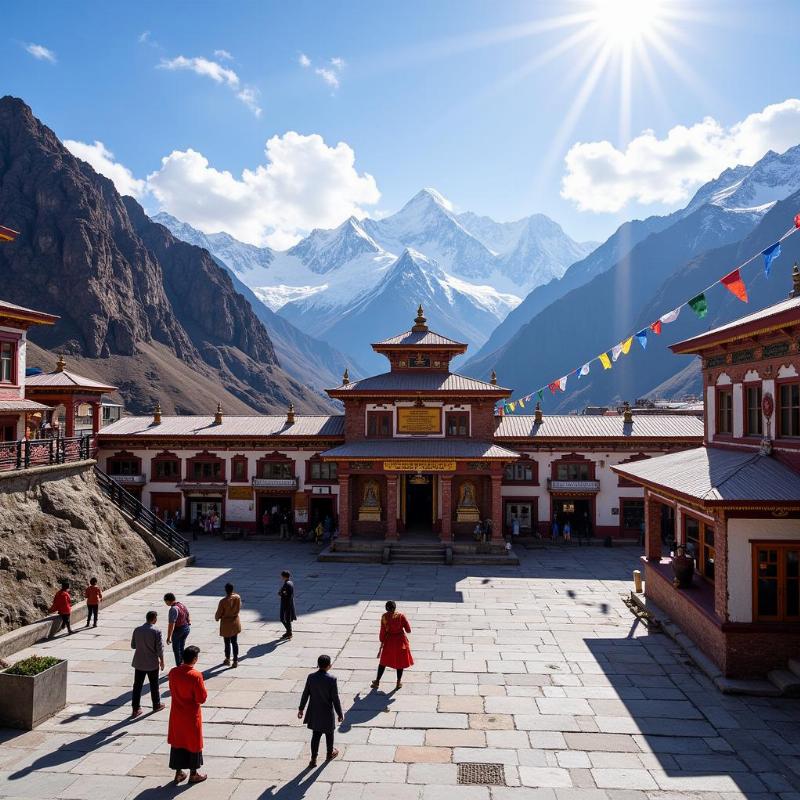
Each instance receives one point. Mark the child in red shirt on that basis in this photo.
(93, 594)
(62, 605)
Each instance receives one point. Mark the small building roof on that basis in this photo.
(413, 381)
(589, 426)
(12, 311)
(718, 477)
(786, 312)
(22, 405)
(65, 379)
(415, 449)
(238, 426)
(419, 336)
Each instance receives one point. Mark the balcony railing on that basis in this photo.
(129, 480)
(275, 483)
(555, 485)
(28, 453)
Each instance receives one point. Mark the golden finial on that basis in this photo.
(420, 323)
(61, 363)
(157, 414)
(218, 415)
(537, 417)
(290, 414)
(493, 379)
(627, 414)
(345, 377)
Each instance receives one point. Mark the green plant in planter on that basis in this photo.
(32, 665)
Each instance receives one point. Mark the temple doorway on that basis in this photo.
(419, 503)
(578, 511)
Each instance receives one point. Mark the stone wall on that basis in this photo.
(55, 523)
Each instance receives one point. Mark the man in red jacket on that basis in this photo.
(62, 605)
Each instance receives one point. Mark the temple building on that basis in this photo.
(729, 511)
(417, 451)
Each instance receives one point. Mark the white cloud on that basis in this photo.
(337, 63)
(303, 184)
(41, 52)
(144, 37)
(304, 60)
(219, 74)
(224, 55)
(600, 177)
(102, 160)
(329, 76)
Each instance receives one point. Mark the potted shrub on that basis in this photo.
(31, 691)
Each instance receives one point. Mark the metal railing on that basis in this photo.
(27, 453)
(126, 502)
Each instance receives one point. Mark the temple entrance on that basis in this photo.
(272, 511)
(578, 511)
(419, 503)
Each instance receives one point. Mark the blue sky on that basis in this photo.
(444, 94)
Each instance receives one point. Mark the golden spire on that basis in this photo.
(345, 377)
(627, 414)
(61, 363)
(157, 413)
(537, 417)
(420, 323)
(493, 379)
(290, 414)
(218, 415)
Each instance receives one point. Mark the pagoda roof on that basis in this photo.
(419, 336)
(64, 379)
(416, 381)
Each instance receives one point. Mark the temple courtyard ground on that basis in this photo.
(539, 668)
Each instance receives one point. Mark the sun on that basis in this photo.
(622, 23)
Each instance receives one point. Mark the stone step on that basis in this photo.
(794, 666)
(788, 682)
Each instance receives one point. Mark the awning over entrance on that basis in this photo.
(413, 450)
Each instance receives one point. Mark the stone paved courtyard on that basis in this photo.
(540, 668)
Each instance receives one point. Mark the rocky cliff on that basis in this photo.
(54, 526)
(123, 286)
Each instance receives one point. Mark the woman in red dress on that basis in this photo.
(188, 691)
(395, 651)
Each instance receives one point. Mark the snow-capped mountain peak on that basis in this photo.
(324, 250)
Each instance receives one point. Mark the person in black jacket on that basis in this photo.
(286, 593)
(322, 695)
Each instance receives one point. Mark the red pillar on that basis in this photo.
(344, 507)
(652, 528)
(69, 418)
(97, 411)
(446, 484)
(391, 507)
(497, 510)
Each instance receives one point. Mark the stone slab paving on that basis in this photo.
(540, 668)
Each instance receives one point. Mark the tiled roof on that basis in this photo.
(417, 338)
(420, 381)
(419, 448)
(575, 426)
(718, 476)
(758, 316)
(65, 380)
(203, 426)
(22, 405)
(13, 308)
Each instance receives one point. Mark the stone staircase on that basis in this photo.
(787, 680)
(411, 552)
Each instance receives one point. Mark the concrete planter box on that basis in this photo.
(28, 700)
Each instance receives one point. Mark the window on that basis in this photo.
(523, 513)
(207, 470)
(572, 471)
(789, 409)
(123, 466)
(725, 411)
(167, 470)
(323, 471)
(776, 582)
(699, 539)
(753, 422)
(457, 423)
(632, 514)
(521, 471)
(239, 468)
(277, 469)
(379, 423)
(8, 352)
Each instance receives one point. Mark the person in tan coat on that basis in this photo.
(229, 625)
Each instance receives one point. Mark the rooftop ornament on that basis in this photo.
(493, 379)
(157, 414)
(218, 415)
(537, 417)
(420, 323)
(627, 414)
(345, 377)
(795, 281)
(61, 363)
(290, 414)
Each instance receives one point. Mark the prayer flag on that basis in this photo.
(770, 254)
(616, 351)
(7, 234)
(522, 402)
(605, 360)
(584, 370)
(671, 317)
(553, 387)
(540, 394)
(512, 405)
(642, 338)
(656, 327)
(735, 285)
(562, 383)
(626, 345)
(699, 305)
(797, 221)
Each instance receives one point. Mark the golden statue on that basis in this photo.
(467, 509)
(370, 509)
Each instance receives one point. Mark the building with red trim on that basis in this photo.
(418, 449)
(734, 503)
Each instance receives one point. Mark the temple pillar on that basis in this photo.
(344, 508)
(391, 507)
(497, 510)
(97, 412)
(69, 417)
(652, 528)
(721, 565)
(446, 488)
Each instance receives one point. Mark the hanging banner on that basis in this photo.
(735, 285)
(656, 327)
(605, 360)
(770, 254)
(641, 337)
(699, 305)
(671, 316)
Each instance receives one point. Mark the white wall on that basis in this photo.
(740, 562)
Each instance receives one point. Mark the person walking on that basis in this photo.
(286, 593)
(229, 624)
(285, 525)
(321, 692)
(148, 659)
(185, 733)
(554, 530)
(178, 626)
(93, 594)
(62, 605)
(567, 531)
(395, 650)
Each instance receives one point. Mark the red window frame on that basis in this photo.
(123, 457)
(382, 427)
(747, 387)
(779, 386)
(275, 458)
(12, 340)
(217, 476)
(509, 473)
(164, 458)
(235, 461)
(331, 465)
(785, 584)
(726, 391)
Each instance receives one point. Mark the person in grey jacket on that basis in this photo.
(148, 659)
(321, 692)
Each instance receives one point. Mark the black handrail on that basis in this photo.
(124, 500)
(27, 453)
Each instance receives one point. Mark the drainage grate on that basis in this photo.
(482, 774)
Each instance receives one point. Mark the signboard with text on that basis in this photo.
(411, 465)
(413, 419)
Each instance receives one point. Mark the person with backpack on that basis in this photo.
(179, 626)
